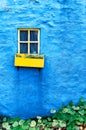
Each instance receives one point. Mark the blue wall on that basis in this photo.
(28, 92)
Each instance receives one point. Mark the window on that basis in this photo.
(28, 41)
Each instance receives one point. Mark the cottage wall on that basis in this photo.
(28, 92)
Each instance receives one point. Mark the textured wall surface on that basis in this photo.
(28, 92)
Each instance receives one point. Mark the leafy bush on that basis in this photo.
(70, 117)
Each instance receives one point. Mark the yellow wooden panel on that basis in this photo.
(29, 62)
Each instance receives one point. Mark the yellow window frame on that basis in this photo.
(29, 42)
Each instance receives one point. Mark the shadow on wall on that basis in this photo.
(62, 1)
(34, 1)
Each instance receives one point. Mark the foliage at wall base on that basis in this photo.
(70, 117)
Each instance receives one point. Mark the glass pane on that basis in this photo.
(23, 35)
(23, 48)
(33, 35)
(33, 48)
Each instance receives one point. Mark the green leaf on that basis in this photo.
(24, 127)
(49, 119)
(15, 124)
(76, 108)
(55, 123)
(39, 121)
(6, 125)
(4, 119)
(81, 102)
(45, 121)
(33, 123)
(28, 121)
(70, 103)
(78, 123)
(12, 120)
(81, 112)
(21, 122)
(77, 128)
(71, 126)
(30, 128)
(61, 124)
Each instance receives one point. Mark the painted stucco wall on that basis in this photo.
(28, 92)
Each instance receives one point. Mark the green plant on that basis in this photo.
(73, 115)
(70, 117)
(34, 56)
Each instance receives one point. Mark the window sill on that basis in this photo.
(25, 60)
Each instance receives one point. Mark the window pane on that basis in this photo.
(23, 48)
(23, 35)
(33, 48)
(33, 35)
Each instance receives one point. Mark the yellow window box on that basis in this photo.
(25, 60)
